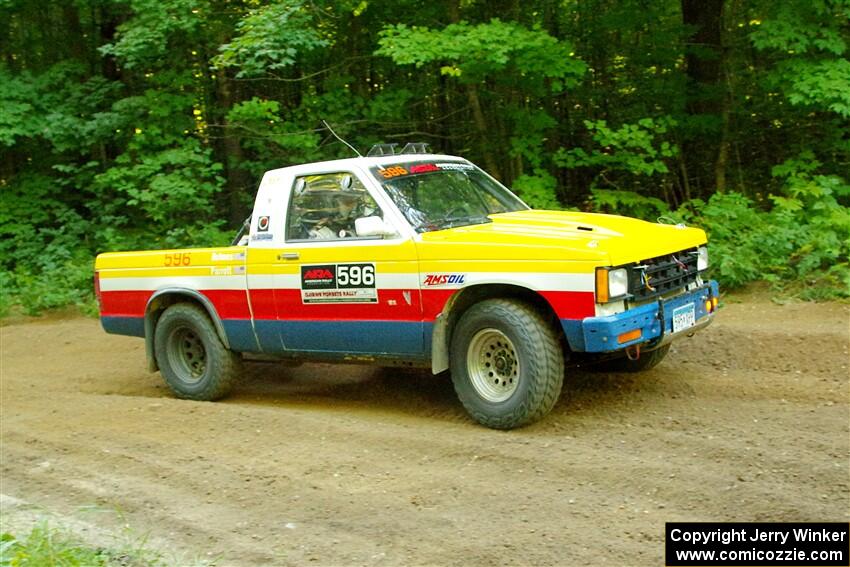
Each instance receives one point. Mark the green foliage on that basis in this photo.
(813, 203)
(801, 244)
(809, 42)
(538, 190)
(632, 148)
(627, 203)
(269, 137)
(804, 237)
(46, 545)
(16, 107)
(144, 40)
(473, 52)
(169, 187)
(148, 123)
(271, 38)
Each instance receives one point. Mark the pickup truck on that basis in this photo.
(414, 259)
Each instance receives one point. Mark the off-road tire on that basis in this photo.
(540, 363)
(191, 357)
(646, 361)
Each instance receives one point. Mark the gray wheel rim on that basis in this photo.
(493, 365)
(187, 354)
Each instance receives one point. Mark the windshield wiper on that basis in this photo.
(451, 222)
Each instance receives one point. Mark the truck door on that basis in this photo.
(341, 293)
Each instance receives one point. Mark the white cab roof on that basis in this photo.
(362, 162)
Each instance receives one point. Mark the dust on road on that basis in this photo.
(340, 465)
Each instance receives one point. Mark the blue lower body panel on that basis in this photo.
(240, 335)
(600, 334)
(393, 338)
(366, 337)
(132, 326)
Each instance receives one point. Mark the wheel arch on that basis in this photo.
(164, 298)
(463, 299)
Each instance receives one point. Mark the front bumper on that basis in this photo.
(655, 321)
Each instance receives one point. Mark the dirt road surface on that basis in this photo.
(346, 465)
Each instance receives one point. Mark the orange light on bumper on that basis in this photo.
(630, 336)
(708, 306)
(714, 302)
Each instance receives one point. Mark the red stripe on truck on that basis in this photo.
(124, 303)
(393, 305)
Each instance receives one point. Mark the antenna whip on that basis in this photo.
(331, 130)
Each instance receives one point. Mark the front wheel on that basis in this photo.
(507, 364)
(191, 357)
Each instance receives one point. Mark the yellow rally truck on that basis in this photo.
(413, 259)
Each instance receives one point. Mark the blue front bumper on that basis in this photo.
(655, 320)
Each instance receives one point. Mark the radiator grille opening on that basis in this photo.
(658, 276)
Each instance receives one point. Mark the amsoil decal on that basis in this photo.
(443, 279)
(338, 283)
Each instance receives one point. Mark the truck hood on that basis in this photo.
(541, 235)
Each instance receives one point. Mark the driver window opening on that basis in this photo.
(325, 206)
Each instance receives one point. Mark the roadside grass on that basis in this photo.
(48, 545)
(37, 538)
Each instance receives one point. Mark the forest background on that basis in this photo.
(140, 124)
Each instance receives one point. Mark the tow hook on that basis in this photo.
(633, 352)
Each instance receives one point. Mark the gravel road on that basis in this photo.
(345, 465)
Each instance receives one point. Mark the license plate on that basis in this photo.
(684, 317)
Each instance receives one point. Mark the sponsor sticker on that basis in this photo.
(226, 257)
(432, 280)
(456, 165)
(338, 283)
(263, 224)
(263, 236)
(423, 168)
(222, 271)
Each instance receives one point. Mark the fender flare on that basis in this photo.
(150, 320)
(440, 336)
(466, 297)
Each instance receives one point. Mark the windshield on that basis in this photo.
(434, 196)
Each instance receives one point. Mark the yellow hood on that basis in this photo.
(564, 235)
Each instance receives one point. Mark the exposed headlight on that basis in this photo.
(702, 258)
(618, 282)
(611, 284)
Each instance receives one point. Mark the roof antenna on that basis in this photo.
(328, 126)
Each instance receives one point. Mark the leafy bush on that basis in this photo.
(537, 190)
(634, 148)
(800, 243)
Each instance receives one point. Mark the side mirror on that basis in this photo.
(373, 226)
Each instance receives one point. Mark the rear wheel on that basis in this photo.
(507, 365)
(191, 357)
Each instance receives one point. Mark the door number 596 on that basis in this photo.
(355, 275)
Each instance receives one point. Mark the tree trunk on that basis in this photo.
(238, 181)
(704, 95)
(481, 128)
